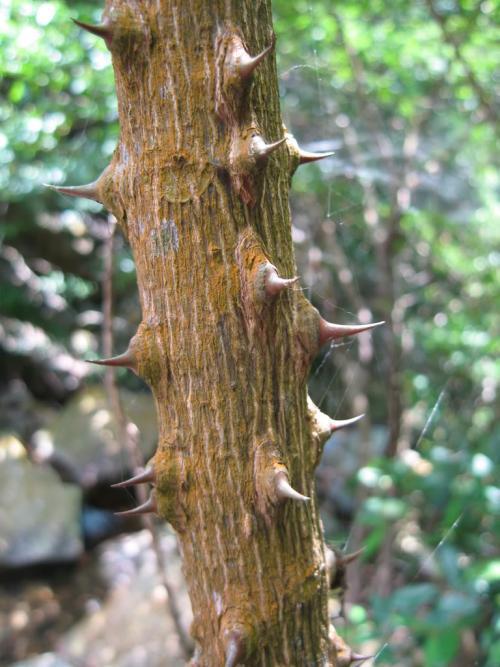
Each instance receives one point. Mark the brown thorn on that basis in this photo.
(336, 424)
(101, 30)
(247, 67)
(125, 360)
(149, 506)
(350, 558)
(87, 191)
(330, 331)
(284, 490)
(274, 283)
(147, 475)
(306, 156)
(357, 657)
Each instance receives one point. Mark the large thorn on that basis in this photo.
(336, 424)
(357, 657)
(274, 284)
(261, 150)
(284, 490)
(87, 191)
(144, 477)
(329, 331)
(247, 64)
(125, 360)
(101, 30)
(235, 649)
(305, 156)
(149, 506)
(350, 558)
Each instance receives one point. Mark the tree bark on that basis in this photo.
(226, 338)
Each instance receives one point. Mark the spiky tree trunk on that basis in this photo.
(199, 184)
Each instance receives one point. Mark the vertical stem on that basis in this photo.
(128, 433)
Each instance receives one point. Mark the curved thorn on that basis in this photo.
(149, 506)
(336, 424)
(234, 650)
(87, 191)
(284, 490)
(306, 156)
(349, 558)
(357, 657)
(147, 475)
(247, 67)
(330, 331)
(274, 283)
(263, 150)
(125, 360)
(101, 30)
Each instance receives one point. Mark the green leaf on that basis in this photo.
(441, 648)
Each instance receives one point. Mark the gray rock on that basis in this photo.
(85, 434)
(39, 515)
(132, 627)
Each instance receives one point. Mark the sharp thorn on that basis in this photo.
(247, 67)
(306, 156)
(144, 477)
(87, 191)
(357, 657)
(261, 150)
(350, 558)
(125, 360)
(149, 506)
(336, 424)
(274, 284)
(329, 331)
(101, 30)
(284, 490)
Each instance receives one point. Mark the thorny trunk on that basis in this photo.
(225, 341)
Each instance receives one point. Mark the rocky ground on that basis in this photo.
(76, 586)
(109, 611)
(79, 587)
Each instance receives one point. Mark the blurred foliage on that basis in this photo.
(405, 93)
(401, 224)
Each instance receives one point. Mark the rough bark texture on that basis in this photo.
(224, 344)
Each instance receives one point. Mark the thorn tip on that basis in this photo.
(329, 331)
(350, 558)
(149, 506)
(306, 156)
(274, 283)
(101, 30)
(284, 490)
(261, 150)
(88, 191)
(125, 360)
(248, 64)
(336, 424)
(144, 477)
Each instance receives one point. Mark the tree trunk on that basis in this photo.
(225, 343)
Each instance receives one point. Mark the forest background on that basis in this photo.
(401, 224)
